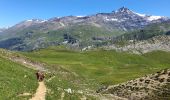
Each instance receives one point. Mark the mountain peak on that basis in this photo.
(124, 10)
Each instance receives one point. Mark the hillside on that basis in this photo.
(154, 86)
(16, 80)
(147, 32)
(151, 38)
(78, 36)
(155, 43)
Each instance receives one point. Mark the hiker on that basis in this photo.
(40, 76)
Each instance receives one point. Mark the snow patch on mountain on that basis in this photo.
(151, 18)
(79, 16)
(113, 19)
(36, 20)
(142, 15)
(110, 19)
(43, 21)
(30, 20)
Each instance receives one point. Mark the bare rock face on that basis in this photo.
(151, 87)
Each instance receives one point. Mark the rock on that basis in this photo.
(68, 90)
(161, 80)
(147, 81)
(168, 80)
(141, 80)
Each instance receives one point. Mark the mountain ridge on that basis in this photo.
(80, 31)
(122, 10)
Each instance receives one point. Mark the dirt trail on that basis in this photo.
(40, 92)
(62, 95)
(29, 63)
(83, 98)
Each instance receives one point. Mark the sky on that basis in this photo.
(15, 11)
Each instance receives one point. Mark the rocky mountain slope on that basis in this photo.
(151, 87)
(161, 42)
(153, 37)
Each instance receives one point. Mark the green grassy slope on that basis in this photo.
(30, 38)
(15, 80)
(105, 67)
(147, 32)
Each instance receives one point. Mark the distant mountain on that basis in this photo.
(28, 23)
(2, 29)
(122, 19)
(75, 31)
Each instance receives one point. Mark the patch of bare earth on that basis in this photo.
(24, 94)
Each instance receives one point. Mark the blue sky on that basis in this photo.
(14, 11)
